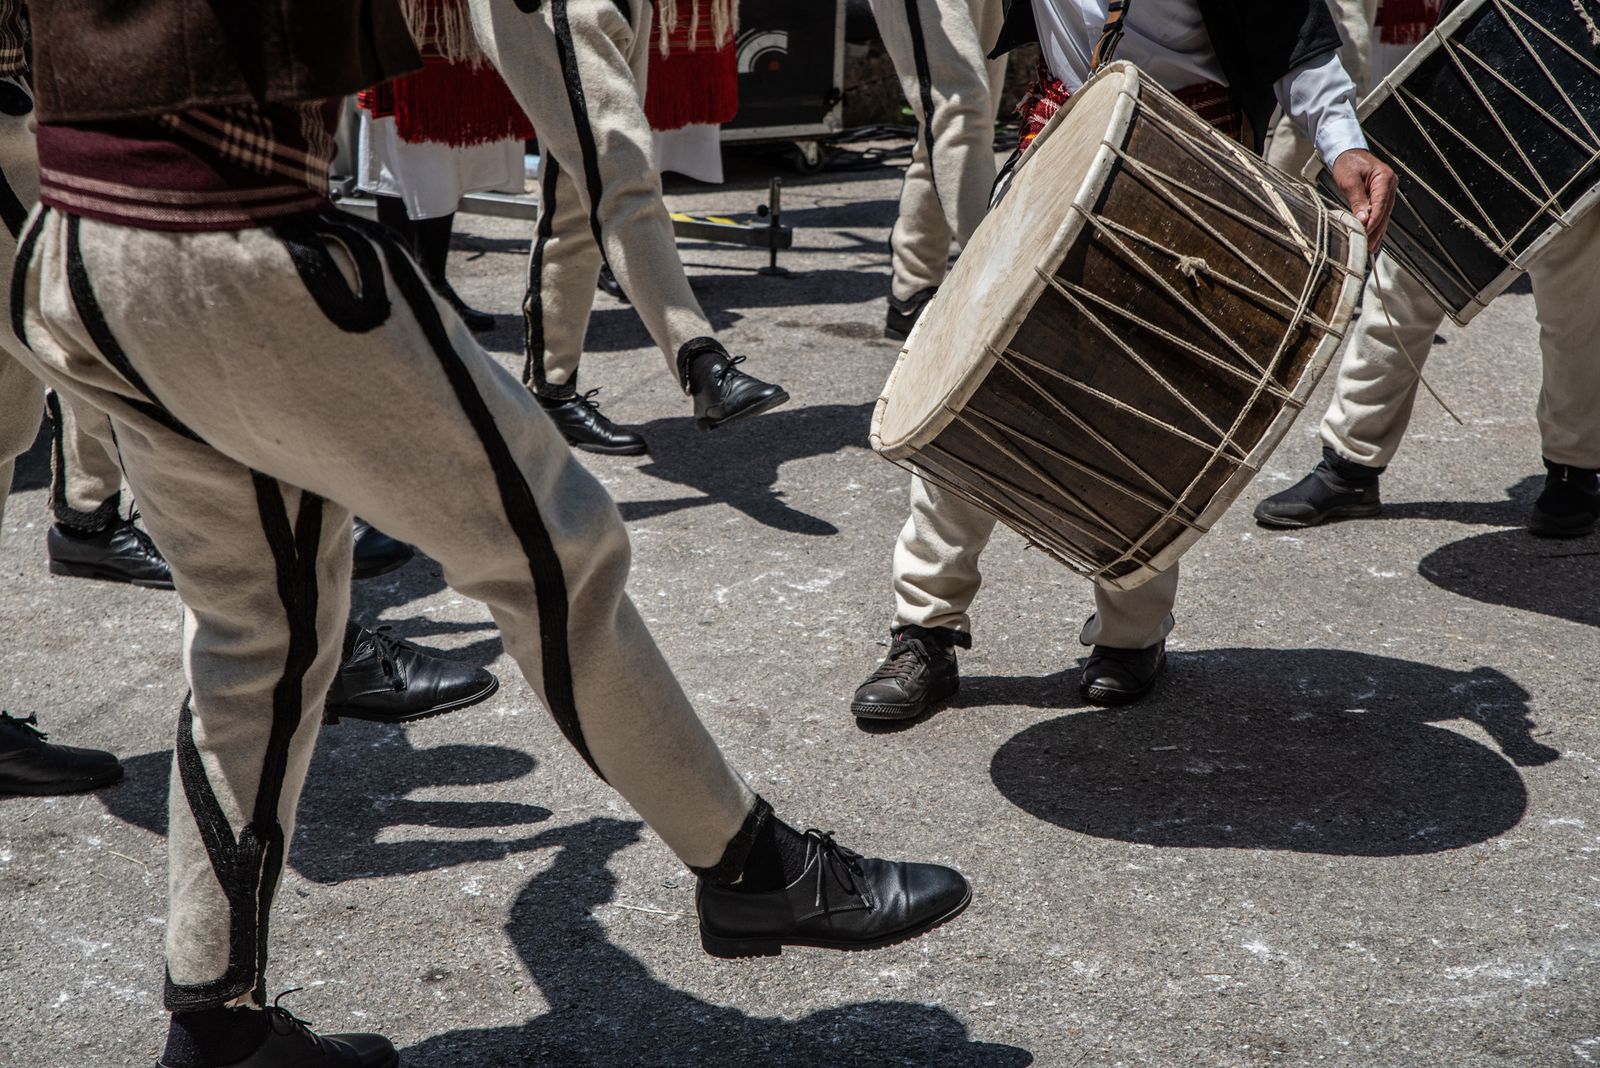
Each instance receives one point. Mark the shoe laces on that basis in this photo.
(587, 399)
(906, 657)
(30, 724)
(284, 1022)
(842, 864)
(140, 535)
(387, 649)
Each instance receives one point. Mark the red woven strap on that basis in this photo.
(1406, 22)
(1045, 95)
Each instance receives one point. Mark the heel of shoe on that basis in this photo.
(737, 948)
(68, 569)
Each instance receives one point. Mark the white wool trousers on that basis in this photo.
(939, 50)
(936, 577)
(87, 479)
(578, 68)
(236, 369)
(1379, 374)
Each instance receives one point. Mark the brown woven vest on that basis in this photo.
(112, 59)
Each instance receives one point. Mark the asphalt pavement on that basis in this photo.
(1358, 823)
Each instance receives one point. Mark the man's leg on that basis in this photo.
(935, 580)
(1128, 631)
(1564, 294)
(28, 763)
(938, 49)
(91, 538)
(1373, 395)
(21, 408)
(563, 268)
(576, 66)
(281, 327)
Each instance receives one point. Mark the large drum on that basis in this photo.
(1491, 124)
(1127, 335)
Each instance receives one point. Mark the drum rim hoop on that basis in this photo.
(935, 422)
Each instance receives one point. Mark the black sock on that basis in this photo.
(433, 244)
(777, 858)
(392, 213)
(213, 1037)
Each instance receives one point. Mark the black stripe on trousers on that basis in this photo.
(88, 308)
(579, 103)
(919, 54)
(12, 211)
(533, 299)
(516, 496)
(66, 515)
(248, 868)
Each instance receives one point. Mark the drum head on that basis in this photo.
(996, 278)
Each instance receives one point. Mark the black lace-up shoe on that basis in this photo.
(376, 553)
(722, 392)
(478, 322)
(292, 1044)
(903, 314)
(1121, 676)
(120, 552)
(31, 765)
(609, 285)
(1335, 489)
(387, 680)
(580, 422)
(842, 901)
(1569, 507)
(919, 672)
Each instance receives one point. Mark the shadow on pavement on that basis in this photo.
(744, 478)
(357, 793)
(607, 1009)
(1554, 577)
(1311, 750)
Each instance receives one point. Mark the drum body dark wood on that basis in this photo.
(1491, 124)
(1126, 337)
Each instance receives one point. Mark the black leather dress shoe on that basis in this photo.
(580, 422)
(609, 285)
(722, 392)
(291, 1044)
(31, 765)
(387, 680)
(119, 553)
(376, 553)
(842, 901)
(903, 314)
(1335, 489)
(1569, 506)
(1121, 676)
(919, 672)
(478, 322)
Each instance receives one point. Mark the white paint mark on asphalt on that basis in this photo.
(1587, 1049)
(472, 888)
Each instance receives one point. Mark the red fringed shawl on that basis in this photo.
(1406, 22)
(457, 98)
(693, 78)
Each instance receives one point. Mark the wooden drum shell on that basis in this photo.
(1086, 420)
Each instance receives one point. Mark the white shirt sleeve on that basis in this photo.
(1320, 99)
